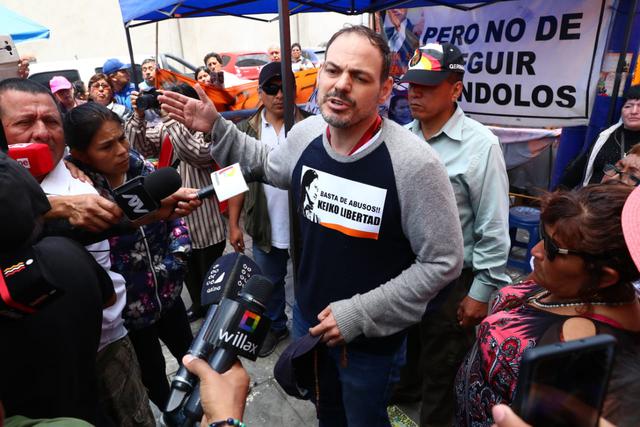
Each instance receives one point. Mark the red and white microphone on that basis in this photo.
(34, 157)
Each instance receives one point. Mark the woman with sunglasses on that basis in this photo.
(101, 92)
(581, 286)
(611, 145)
(626, 170)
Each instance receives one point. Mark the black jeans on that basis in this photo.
(444, 344)
(174, 330)
(197, 267)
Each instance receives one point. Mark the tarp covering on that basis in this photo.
(20, 29)
(245, 96)
(157, 10)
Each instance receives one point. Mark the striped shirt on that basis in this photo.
(206, 226)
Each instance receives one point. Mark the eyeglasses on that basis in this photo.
(100, 86)
(612, 170)
(551, 249)
(271, 88)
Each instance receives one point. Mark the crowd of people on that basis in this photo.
(401, 238)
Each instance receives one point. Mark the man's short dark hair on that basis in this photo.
(376, 40)
(212, 55)
(454, 78)
(147, 61)
(24, 85)
(296, 44)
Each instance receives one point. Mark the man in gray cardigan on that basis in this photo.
(384, 236)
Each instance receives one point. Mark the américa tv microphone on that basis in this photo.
(142, 195)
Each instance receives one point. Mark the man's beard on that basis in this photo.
(334, 120)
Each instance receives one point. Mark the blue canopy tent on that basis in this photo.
(158, 10)
(136, 13)
(20, 29)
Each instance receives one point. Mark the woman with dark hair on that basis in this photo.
(581, 285)
(202, 75)
(101, 91)
(152, 260)
(399, 110)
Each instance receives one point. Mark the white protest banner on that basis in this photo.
(529, 62)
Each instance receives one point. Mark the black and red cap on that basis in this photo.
(432, 63)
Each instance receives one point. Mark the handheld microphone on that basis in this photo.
(238, 329)
(34, 157)
(209, 190)
(206, 192)
(225, 279)
(141, 195)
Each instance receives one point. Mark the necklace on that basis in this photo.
(536, 300)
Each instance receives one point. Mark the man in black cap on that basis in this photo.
(476, 169)
(267, 207)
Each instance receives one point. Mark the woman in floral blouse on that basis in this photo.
(152, 259)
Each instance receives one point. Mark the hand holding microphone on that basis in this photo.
(223, 395)
(237, 327)
(225, 279)
(157, 196)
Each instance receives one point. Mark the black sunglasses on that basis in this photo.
(551, 249)
(271, 88)
(612, 170)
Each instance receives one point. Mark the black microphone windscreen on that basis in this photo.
(226, 277)
(259, 287)
(162, 183)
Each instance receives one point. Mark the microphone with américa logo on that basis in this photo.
(34, 157)
(142, 195)
(225, 279)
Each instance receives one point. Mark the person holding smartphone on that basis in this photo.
(582, 270)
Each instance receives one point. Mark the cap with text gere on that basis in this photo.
(433, 63)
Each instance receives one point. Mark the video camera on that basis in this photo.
(148, 100)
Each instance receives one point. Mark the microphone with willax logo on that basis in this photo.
(239, 328)
(225, 279)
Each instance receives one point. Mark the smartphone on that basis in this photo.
(565, 384)
(9, 58)
(217, 78)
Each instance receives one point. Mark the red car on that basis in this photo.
(245, 65)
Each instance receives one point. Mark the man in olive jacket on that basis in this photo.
(266, 207)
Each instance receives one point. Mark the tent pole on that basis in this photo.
(295, 248)
(631, 14)
(134, 76)
(285, 63)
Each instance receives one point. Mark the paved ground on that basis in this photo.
(267, 403)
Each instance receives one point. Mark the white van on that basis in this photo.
(83, 69)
